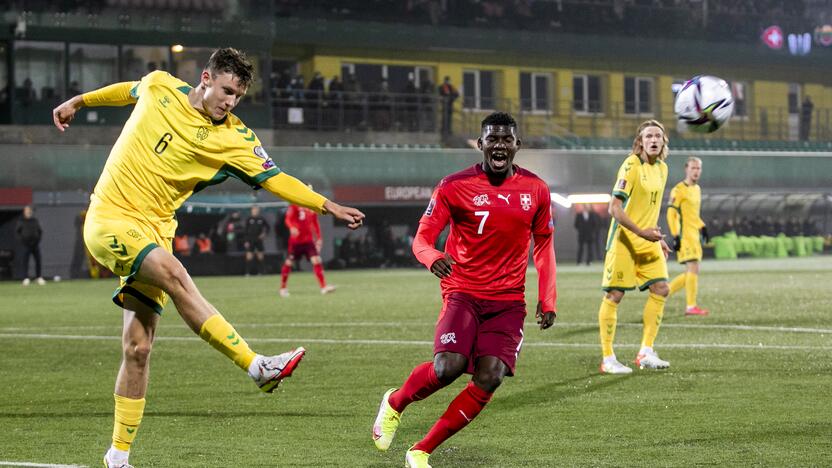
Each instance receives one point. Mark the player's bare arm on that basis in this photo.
(353, 217)
(64, 113)
(616, 210)
(442, 267)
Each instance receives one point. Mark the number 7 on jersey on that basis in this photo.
(484, 215)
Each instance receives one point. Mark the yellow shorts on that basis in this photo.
(121, 243)
(690, 250)
(624, 269)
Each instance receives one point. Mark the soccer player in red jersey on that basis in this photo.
(494, 209)
(304, 241)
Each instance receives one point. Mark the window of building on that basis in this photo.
(638, 95)
(586, 93)
(478, 89)
(534, 91)
(38, 71)
(91, 66)
(137, 61)
(740, 91)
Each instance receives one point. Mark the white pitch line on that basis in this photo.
(758, 346)
(40, 465)
(821, 331)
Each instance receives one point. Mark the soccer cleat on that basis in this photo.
(284, 292)
(387, 421)
(614, 367)
(328, 289)
(273, 369)
(695, 310)
(41, 281)
(416, 459)
(108, 463)
(26, 281)
(650, 361)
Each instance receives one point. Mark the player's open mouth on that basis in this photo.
(499, 159)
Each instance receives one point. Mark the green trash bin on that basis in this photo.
(724, 247)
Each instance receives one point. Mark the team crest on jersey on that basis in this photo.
(260, 152)
(526, 201)
(431, 204)
(481, 200)
(622, 184)
(203, 133)
(268, 164)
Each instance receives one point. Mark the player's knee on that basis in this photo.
(137, 352)
(488, 380)
(660, 289)
(449, 368)
(316, 260)
(615, 295)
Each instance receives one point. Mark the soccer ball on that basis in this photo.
(704, 104)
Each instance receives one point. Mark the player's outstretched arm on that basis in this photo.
(297, 193)
(118, 94)
(353, 217)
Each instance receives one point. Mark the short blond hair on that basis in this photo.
(692, 159)
(638, 147)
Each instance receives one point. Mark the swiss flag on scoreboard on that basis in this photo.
(773, 37)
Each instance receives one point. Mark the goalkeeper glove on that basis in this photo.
(705, 235)
(677, 243)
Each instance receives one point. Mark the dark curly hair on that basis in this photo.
(228, 60)
(499, 118)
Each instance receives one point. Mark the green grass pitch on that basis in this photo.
(749, 385)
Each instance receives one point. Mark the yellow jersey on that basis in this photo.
(640, 186)
(168, 150)
(683, 211)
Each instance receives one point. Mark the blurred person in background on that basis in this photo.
(688, 231)
(254, 232)
(304, 241)
(178, 140)
(29, 233)
(586, 223)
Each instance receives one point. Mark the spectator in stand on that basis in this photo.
(316, 87)
(233, 228)
(182, 245)
(586, 223)
(806, 109)
(202, 245)
(427, 118)
(29, 233)
(448, 94)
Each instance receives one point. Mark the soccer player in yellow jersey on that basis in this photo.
(686, 227)
(178, 140)
(636, 251)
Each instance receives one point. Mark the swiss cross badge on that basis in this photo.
(526, 201)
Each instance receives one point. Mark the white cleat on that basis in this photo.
(273, 369)
(614, 367)
(651, 361)
(284, 292)
(109, 463)
(41, 281)
(387, 421)
(328, 289)
(26, 281)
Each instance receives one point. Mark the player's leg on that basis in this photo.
(249, 258)
(38, 273)
(285, 271)
(454, 340)
(618, 277)
(692, 290)
(653, 275)
(139, 330)
(259, 255)
(677, 283)
(162, 270)
(318, 270)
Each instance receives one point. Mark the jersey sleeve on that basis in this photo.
(295, 192)
(624, 183)
(248, 160)
(543, 228)
(674, 218)
(118, 94)
(433, 221)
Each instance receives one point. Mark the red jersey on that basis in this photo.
(491, 231)
(306, 223)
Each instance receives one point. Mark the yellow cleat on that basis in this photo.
(387, 421)
(416, 459)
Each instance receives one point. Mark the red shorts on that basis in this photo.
(304, 249)
(480, 327)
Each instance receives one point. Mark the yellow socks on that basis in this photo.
(224, 338)
(652, 318)
(128, 416)
(691, 288)
(678, 283)
(607, 318)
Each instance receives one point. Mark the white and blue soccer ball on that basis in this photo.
(704, 104)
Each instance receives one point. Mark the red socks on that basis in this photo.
(465, 407)
(284, 275)
(319, 273)
(421, 384)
